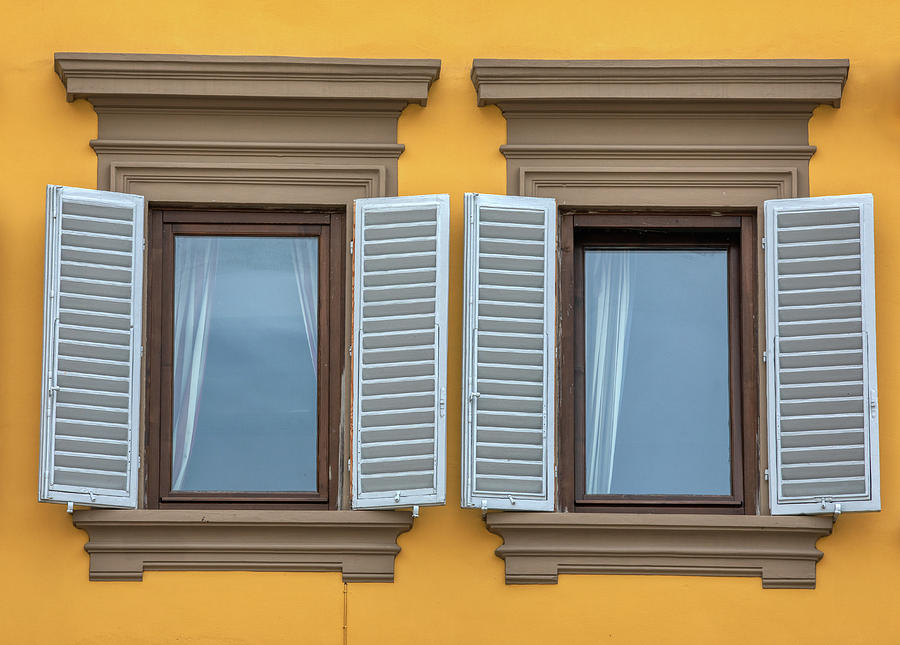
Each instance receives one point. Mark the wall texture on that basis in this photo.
(449, 585)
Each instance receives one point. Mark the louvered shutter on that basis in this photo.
(509, 353)
(92, 347)
(822, 386)
(401, 282)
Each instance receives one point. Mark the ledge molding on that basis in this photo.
(798, 84)
(537, 547)
(361, 545)
(102, 75)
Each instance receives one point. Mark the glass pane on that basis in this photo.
(656, 372)
(244, 373)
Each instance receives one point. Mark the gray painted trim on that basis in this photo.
(537, 547)
(361, 545)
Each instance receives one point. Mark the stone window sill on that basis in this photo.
(361, 545)
(537, 547)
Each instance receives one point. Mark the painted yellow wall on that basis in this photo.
(449, 585)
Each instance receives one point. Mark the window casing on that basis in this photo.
(326, 226)
(733, 233)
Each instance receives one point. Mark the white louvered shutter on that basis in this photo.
(401, 280)
(509, 353)
(92, 347)
(822, 386)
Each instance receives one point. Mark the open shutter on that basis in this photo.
(400, 283)
(92, 347)
(509, 353)
(822, 386)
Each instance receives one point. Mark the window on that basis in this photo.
(186, 130)
(658, 339)
(241, 310)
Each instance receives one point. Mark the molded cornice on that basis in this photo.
(537, 547)
(96, 76)
(361, 545)
(791, 84)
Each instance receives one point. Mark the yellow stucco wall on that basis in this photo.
(449, 585)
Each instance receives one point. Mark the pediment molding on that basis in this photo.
(570, 85)
(105, 77)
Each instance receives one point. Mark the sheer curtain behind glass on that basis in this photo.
(657, 400)
(607, 318)
(195, 278)
(245, 363)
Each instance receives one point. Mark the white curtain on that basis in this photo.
(305, 253)
(195, 276)
(608, 285)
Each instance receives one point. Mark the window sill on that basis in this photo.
(537, 547)
(361, 545)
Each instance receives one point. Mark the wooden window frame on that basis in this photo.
(327, 224)
(736, 231)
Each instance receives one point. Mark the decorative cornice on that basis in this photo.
(247, 148)
(95, 76)
(791, 84)
(361, 545)
(537, 547)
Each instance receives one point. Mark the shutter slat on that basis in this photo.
(822, 387)
(400, 351)
(509, 353)
(92, 335)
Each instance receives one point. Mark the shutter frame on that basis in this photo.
(471, 496)
(401, 497)
(49, 489)
(824, 502)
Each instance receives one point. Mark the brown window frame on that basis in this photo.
(327, 224)
(736, 231)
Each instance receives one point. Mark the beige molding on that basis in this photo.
(361, 545)
(100, 75)
(793, 84)
(607, 115)
(537, 547)
(236, 182)
(587, 151)
(246, 110)
(247, 148)
(641, 186)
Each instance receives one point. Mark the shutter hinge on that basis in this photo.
(139, 461)
(142, 350)
(351, 247)
(443, 403)
(349, 464)
(763, 241)
(873, 403)
(144, 244)
(766, 474)
(835, 510)
(765, 356)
